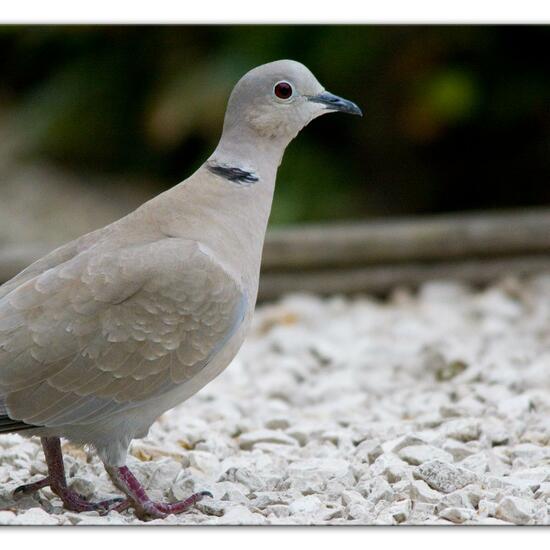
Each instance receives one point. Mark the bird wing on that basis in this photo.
(108, 329)
(54, 258)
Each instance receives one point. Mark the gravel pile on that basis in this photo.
(429, 408)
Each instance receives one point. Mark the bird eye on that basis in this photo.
(283, 90)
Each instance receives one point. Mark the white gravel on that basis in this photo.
(430, 408)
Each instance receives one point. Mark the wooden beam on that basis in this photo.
(381, 280)
(377, 256)
(441, 237)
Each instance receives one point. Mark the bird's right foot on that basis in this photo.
(150, 509)
(71, 499)
(145, 507)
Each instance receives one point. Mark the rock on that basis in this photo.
(356, 432)
(429, 420)
(529, 453)
(474, 493)
(278, 510)
(495, 431)
(36, 516)
(231, 491)
(325, 468)
(418, 454)
(249, 439)
(391, 467)
(356, 506)
(462, 429)
(314, 475)
(334, 488)
(351, 497)
(542, 492)
(330, 514)
(400, 510)
(306, 505)
(487, 508)
(220, 447)
(422, 512)
(444, 477)
(510, 485)
(379, 490)
(516, 510)
(246, 477)
(541, 516)
(277, 423)
(402, 489)
(7, 518)
(211, 507)
(264, 499)
(491, 521)
(538, 436)
(514, 407)
(303, 432)
(533, 476)
(421, 492)
(368, 450)
(361, 512)
(443, 291)
(478, 463)
(457, 515)
(205, 462)
(456, 499)
(467, 406)
(340, 438)
(395, 445)
(83, 487)
(457, 449)
(240, 515)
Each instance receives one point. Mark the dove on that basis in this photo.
(106, 333)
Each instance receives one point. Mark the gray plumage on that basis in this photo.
(100, 337)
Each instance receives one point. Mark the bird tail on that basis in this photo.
(9, 425)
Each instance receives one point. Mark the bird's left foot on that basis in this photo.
(71, 499)
(136, 497)
(57, 481)
(30, 488)
(77, 503)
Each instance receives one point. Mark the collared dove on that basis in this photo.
(104, 334)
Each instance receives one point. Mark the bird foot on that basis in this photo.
(71, 499)
(136, 497)
(159, 510)
(30, 488)
(144, 507)
(77, 503)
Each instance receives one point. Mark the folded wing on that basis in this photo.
(107, 329)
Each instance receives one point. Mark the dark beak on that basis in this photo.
(335, 103)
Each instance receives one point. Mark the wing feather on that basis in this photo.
(106, 329)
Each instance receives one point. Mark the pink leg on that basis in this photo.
(58, 483)
(29, 488)
(126, 481)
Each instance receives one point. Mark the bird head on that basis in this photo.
(278, 99)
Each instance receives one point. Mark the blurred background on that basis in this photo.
(96, 119)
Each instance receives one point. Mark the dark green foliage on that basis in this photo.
(455, 117)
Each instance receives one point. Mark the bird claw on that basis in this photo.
(77, 503)
(118, 504)
(29, 488)
(71, 499)
(160, 510)
(123, 478)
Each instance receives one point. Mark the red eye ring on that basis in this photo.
(283, 90)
